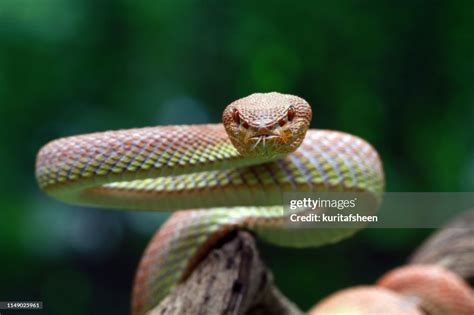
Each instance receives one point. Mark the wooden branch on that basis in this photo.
(232, 279)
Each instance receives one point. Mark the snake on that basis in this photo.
(215, 178)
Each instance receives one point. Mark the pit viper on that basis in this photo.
(220, 177)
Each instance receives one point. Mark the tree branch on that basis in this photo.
(232, 279)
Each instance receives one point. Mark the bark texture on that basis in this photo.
(232, 279)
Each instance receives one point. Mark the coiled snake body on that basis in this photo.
(225, 177)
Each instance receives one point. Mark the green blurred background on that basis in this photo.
(397, 73)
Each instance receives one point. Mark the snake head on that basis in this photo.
(267, 125)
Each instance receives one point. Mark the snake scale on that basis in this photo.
(220, 176)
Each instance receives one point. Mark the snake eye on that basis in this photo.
(291, 113)
(245, 125)
(236, 116)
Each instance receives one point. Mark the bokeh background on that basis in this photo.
(397, 73)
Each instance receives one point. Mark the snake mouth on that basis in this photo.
(263, 140)
(266, 136)
(266, 143)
